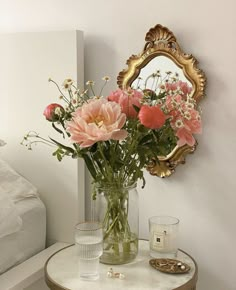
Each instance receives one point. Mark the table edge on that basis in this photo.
(50, 282)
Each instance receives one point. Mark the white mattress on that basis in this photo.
(30, 239)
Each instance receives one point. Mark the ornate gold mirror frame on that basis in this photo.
(160, 41)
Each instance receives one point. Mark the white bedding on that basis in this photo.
(15, 185)
(22, 218)
(10, 220)
(30, 239)
(13, 188)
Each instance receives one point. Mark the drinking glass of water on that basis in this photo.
(88, 241)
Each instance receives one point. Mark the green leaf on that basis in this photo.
(63, 146)
(144, 182)
(90, 166)
(137, 109)
(59, 157)
(161, 95)
(59, 154)
(93, 148)
(146, 139)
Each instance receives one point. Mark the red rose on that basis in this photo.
(152, 117)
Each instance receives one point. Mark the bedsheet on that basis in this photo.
(30, 239)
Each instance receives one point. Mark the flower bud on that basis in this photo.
(53, 112)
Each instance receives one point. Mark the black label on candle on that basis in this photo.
(158, 241)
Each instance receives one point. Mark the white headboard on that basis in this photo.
(27, 61)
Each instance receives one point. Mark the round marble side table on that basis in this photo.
(61, 273)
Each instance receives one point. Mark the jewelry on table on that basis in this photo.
(112, 274)
(170, 266)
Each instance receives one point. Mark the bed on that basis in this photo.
(22, 219)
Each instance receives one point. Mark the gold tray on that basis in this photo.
(170, 266)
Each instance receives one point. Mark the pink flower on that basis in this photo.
(193, 124)
(185, 125)
(53, 111)
(126, 101)
(171, 86)
(185, 137)
(184, 87)
(172, 102)
(152, 117)
(97, 120)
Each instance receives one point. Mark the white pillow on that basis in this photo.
(13, 184)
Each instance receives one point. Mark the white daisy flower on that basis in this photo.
(90, 83)
(67, 84)
(106, 78)
(187, 115)
(179, 123)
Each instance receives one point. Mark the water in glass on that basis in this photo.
(88, 239)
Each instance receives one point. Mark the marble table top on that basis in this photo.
(61, 272)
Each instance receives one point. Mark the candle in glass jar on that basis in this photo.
(163, 236)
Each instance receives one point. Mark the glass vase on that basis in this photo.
(118, 209)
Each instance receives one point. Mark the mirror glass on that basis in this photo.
(157, 71)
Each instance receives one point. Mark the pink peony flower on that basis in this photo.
(152, 117)
(126, 101)
(53, 111)
(97, 120)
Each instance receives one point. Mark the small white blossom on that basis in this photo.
(179, 123)
(187, 115)
(90, 83)
(106, 78)
(67, 84)
(190, 106)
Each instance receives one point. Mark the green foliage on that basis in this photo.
(59, 153)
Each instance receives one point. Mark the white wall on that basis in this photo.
(202, 192)
(27, 61)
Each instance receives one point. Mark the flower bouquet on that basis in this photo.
(118, 136)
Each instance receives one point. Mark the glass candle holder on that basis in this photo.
(163, 236)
